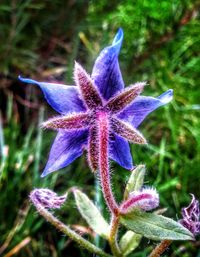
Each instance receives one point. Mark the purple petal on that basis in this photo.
(197, 230)
(120, 152)
(106, 72)
(66, 148)
(64, 99)
(192, 211)
(142, 106)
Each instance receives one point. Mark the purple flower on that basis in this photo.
(191, 215)
(81, 107)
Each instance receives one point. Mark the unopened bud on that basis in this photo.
(146, 199)
(47, 198)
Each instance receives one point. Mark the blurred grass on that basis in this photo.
(42, 40)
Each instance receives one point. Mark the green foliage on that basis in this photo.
(31, 29)
(135, 181)
(91, 214)
(129, 242)
(156, 227)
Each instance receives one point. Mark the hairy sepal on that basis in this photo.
(93, 146)
(127, 131)
(88, 90)
(74, 121)
(120, 101)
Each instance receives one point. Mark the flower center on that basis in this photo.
(99, 113)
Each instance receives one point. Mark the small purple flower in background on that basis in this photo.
(191, 216)
(83, 105)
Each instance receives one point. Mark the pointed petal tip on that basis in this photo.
(21, 78)
(27, 80)
(45, 173)
(118, 37)
(131, 167)
(170, 92)
(47, 170)
(166, 97)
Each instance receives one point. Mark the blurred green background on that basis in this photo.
(41, 40)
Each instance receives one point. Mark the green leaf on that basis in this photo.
(129, 242)
(135, 181)
(156, 227)
(91, 214)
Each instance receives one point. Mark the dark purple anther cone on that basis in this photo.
(191, 215)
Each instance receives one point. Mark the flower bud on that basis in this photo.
(146, 199)
(46, 198)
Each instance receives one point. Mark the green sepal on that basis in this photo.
(91, 214)
(156, 227)
(135, 181)
(129, 242)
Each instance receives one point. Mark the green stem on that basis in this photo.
(113, 236)
(70, 233)
(160, 248)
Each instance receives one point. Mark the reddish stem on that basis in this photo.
(103, 163)
(160, 249)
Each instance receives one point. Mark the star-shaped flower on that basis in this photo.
(83, 106)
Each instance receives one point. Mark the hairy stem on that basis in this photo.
(70, 233)
(106, 182)
(113, 236)
(160, 249)
(103, 164)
